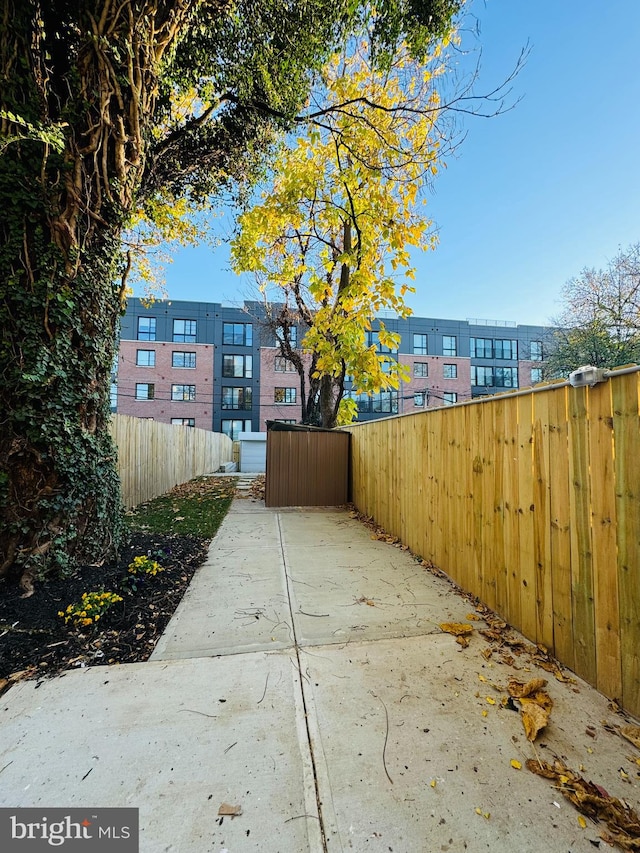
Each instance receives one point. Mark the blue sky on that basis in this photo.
(531, 197)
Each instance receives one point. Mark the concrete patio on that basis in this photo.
(305, 679)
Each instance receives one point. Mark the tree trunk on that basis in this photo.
(60, 500)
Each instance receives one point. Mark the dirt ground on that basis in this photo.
(35, 642)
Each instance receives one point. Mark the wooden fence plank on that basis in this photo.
(581, 554)
(466, 573)
(626, 422)
(513, 612)
(439, 507)
(542, 520)
(487, 454)
(603, 521)
(421, 511)
(528, 595)
(477, 579)
(498, 549)
(560, 528)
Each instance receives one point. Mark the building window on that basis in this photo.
(481, 347)
(183, 392)
(421, 369)
(234, 428)
(146, 358)
(450, 371)
(386, 402)
(190, 422)
(146, 328)
(481, 376)
(285, 420)
(536, 375)
(237, 398)
(507, 350)
(113, 396)
(420, 345)
(237, 334)
(418, 399)
(536, 350)
(237, 366)
(184, 331)
(505, 377)
(285, 395)
(283, 365)
(183, 359)
(449, 345)
(145, 390)
(450, 397)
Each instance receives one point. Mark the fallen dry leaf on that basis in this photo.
(535, 704)
(534, 718)
(632, 734)
(518, 689)
(459, 629)
(593, 801)
(232, 811)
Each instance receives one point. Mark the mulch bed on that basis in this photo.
(35, 642)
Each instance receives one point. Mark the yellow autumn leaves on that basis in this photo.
(535, 704)
(336, 225)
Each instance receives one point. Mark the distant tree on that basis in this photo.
(93, 129)
(600, 323)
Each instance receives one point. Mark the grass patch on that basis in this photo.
(195, 508)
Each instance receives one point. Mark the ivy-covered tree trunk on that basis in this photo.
(60, 491)
(80, 79)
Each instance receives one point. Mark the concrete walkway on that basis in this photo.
(305, 679)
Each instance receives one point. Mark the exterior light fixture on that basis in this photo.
(587, 375)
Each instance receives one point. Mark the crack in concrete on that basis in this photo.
(296, 648)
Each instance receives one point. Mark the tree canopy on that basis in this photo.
(330, 238)
(107, 109)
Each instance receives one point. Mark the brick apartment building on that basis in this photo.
(216, 367)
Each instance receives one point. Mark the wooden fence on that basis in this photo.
(155, 457)
(532, 503)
